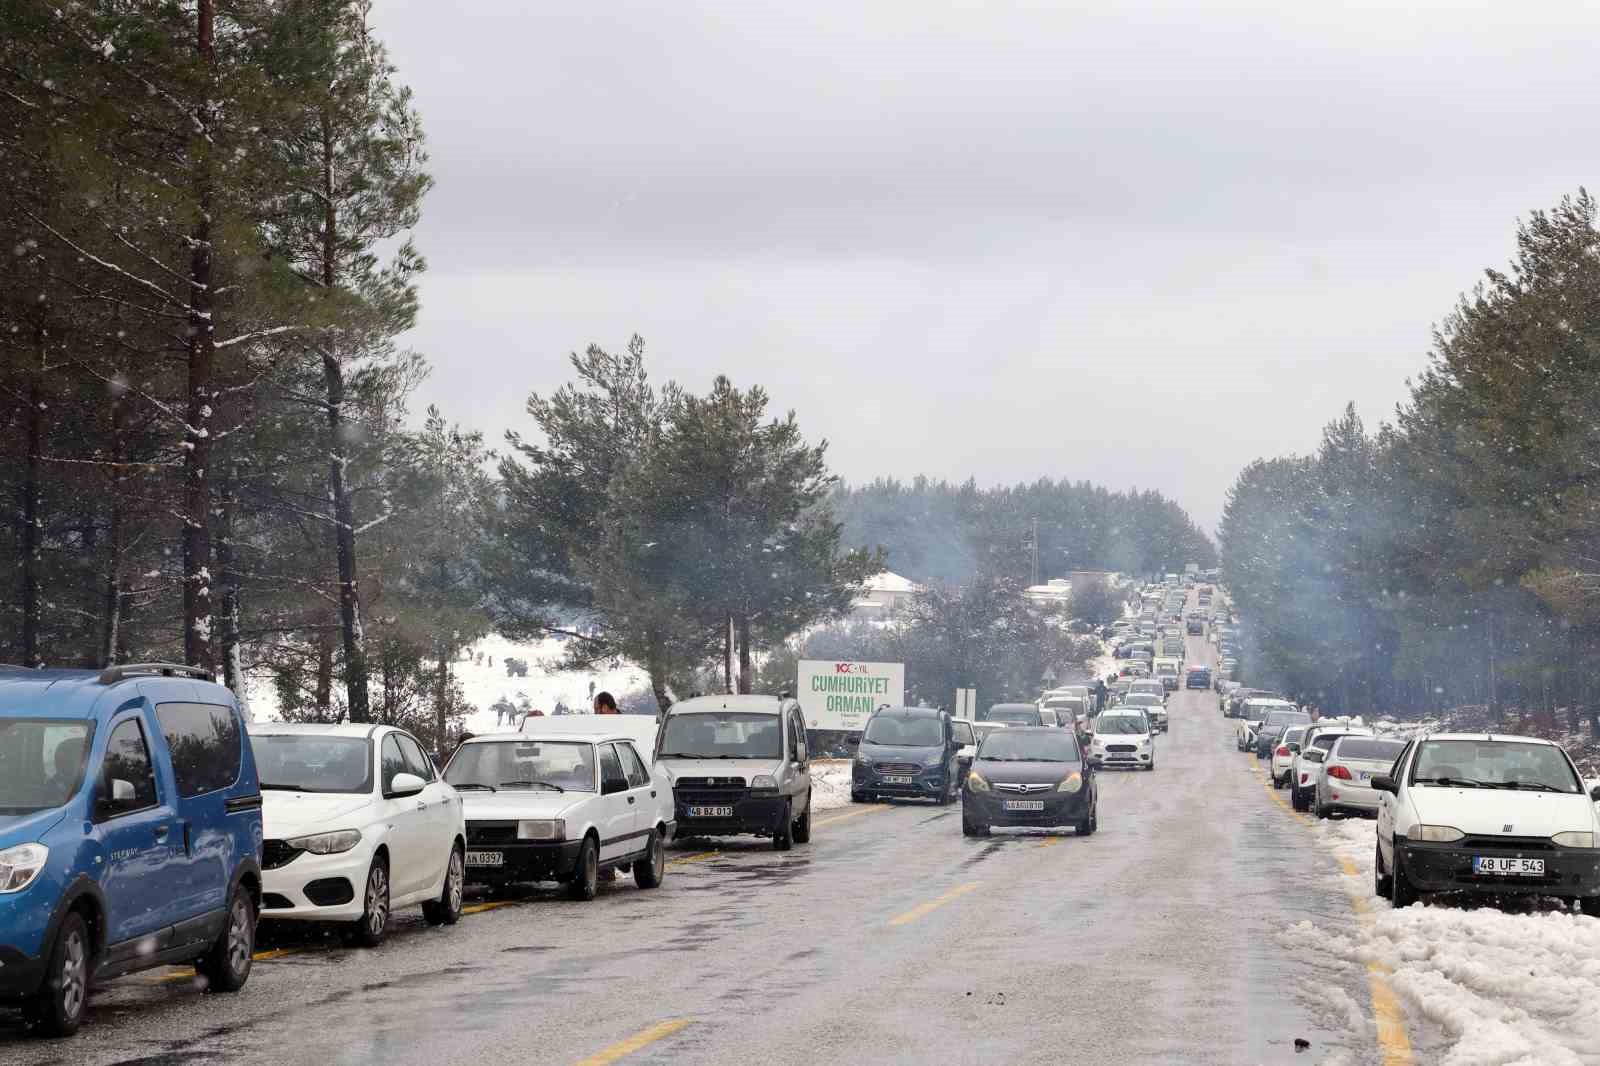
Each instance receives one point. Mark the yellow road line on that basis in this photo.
(187, 973)
(1394, 1045)
(1050, 842)
(934, 904)
(695, 858)
(850, 815)
(637, 1042)
(489, 905)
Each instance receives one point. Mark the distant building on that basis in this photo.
(885, 595)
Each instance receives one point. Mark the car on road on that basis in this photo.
(970, 735)
(1069, 710)
(130, 834)
(1275, 716)
(1486, 814)
(1345, 784)
(1167, 671)
(1152, 706)
(1306, 771)
(907, 753)
(552, 805)
(1198, 676)
(1281, 766)
(1152, 687)
(1029, 777)
(1015, 714)
(738, 765)
(358, 824)
(1197, 627)
(1123, 736)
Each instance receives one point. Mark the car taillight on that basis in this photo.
(1283, 750)
(1340, 772)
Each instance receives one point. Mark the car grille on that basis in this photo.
(1122, 747)
(1027, 789)
(709, 797)
(896, 767)
(275, 853)
(710, 782)
(491, 832)
(1494, 843)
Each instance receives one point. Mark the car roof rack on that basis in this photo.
(122, 671)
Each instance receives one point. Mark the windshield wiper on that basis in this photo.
(464, 784)
(688, 755)
(1533, 786)
(530, 784)
(1452, 782)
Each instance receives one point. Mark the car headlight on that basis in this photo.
(764, 782)
(861, 758)
(934, 759)
(333, 843)
(1565, 840)
(20, 865)
(1073, 782)
(542, 829)
(976, 782)
(1438, 834)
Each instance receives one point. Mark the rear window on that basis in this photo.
(1371, 750)
(205, 741)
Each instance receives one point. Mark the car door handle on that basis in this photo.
(652, 793)
(421, 806)
(161, 833)
(630, 799)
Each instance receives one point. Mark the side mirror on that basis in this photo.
(853, 740)
(614, 785)
(1295, 748)
(1594, 793)
(406, 785)
(1385, 783)
(121, 792)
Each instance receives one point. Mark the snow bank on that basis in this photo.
(1507, 989)
(830, 783)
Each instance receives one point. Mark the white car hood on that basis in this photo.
(512, 804)
(1492, 812)
(745, 768)
(289, 814)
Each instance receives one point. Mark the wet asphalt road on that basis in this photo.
(889, 939)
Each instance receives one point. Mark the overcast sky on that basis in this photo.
(1138, 243)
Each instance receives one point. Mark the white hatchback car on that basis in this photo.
(569, 806)
(1305, 774)
(1283, 755)
(1345, 784)
(1496, 815)
(1123, 737)
(358, 824)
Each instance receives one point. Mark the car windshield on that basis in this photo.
(1021, 716)
(1357, 749)
(41, 762)
(313, 762)
(1008, 745)
(1279, 719)
(1142, 699)
(1121, 723)
(1494, 764)
(723, 735)
(900, 731)
(517, 765)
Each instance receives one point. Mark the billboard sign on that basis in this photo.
(840, 695)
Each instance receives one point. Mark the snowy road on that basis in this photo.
(1202, 924)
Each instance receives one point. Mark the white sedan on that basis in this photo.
(357, 824)
(1306, 773)
(1345, 785)
(556, 805)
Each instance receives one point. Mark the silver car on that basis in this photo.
(1346, 781)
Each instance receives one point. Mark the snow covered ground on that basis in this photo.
(830, 784)
(1517, 988)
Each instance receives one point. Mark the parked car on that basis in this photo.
(739, 765)
(1345, 784)
(130, 834)
(1029, 777)
(358, 825)
(1197, 677)
(1486, 814)
(1275, 717)
(970, 735)
(554, 805)
(910, 753)
(1123, 736)
(1283, 755)
(1306, 772)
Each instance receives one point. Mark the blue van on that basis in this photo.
(130, 833)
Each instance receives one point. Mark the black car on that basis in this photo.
(909, 752)
(1029, 777)
(1273, 726)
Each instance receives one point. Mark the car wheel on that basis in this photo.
(1403, 894)
(446, 910)
(1382, 884)
(858, 797)
(783, 836)
(1294, 798)
(648, 871)
(1590, 905)
(970, 828)
(585, 882)
(1319, 808)
(58, 1007)
(226, 967)
(802, 825)
(374, 924)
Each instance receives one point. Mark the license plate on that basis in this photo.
(1502, 866)
(1024, 805)
(486, 858)
(710, 812)
(1366, 775)
(897, 779)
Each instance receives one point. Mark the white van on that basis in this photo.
(1168, 672)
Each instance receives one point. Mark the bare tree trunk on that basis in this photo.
(441, 695)
(228, 574)
(730, 683)
(198, 646)
(32, 503)
(658, 682)
(116, 540)
(746, 671)
(324, 693)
